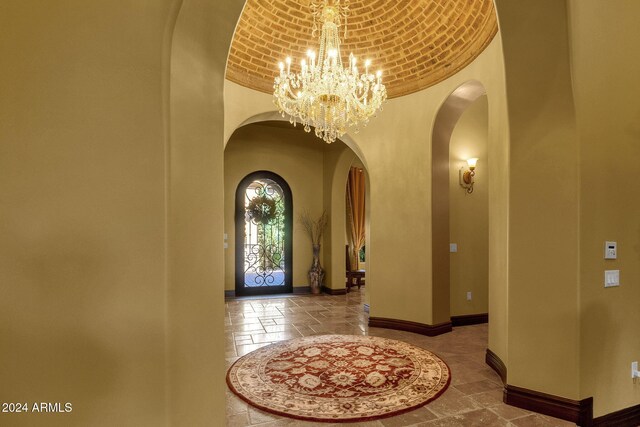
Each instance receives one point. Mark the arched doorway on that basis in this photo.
(263, 218)
(445, 122)
(356, 218)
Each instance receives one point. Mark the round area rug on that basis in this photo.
(338, 378)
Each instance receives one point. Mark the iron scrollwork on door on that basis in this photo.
(264, 235)
(264, 213)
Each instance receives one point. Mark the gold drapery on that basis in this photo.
(355, 214)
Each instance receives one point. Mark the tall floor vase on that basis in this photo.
(316, 273)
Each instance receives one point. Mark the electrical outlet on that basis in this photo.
(469, 296)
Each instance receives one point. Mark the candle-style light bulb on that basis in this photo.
(332, 55)
(288, 61)
(312, 55)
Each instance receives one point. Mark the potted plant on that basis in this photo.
(315, 229)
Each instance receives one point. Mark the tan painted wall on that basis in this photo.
(608, 111)
(468, 213)
(337, 159)
(543, 208)
(85, 138)
(499, 172)
(82, 218)
(298, 158)
(398, 159)
(195, 305)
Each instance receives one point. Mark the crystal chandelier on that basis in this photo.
(325, 94)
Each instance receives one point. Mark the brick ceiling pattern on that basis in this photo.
(416, 43)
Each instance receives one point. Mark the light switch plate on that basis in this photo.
(453, 247)
(611, 278)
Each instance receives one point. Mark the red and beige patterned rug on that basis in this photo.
(338, 378)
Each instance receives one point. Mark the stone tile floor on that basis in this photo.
(474, 397)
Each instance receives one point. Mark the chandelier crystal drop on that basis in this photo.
(323, 93)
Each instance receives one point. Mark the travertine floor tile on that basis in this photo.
(410, 418)
(474, 397)
(478, 418)
(536, 420)
(509, 412)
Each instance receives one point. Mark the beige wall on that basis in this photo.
(398, 161)
(82, 215)
(337, 160)
(608, 111)
(104, 294)
(296, 156)
(195, 258)
(468, 213)
(543, 208)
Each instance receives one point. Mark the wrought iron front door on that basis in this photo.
(263, 235)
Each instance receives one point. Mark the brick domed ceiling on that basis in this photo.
(416, 43)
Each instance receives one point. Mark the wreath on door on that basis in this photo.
(262, 209)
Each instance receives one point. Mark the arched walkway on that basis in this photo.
(445, 121)
(197, 61)
(192, 122)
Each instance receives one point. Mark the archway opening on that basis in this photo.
(263, 235)
(316, 173)
(356, 226)
(453, 293)
(469, 216)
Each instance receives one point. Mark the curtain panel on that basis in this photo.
(355, 214)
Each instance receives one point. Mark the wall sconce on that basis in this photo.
(466, 176)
